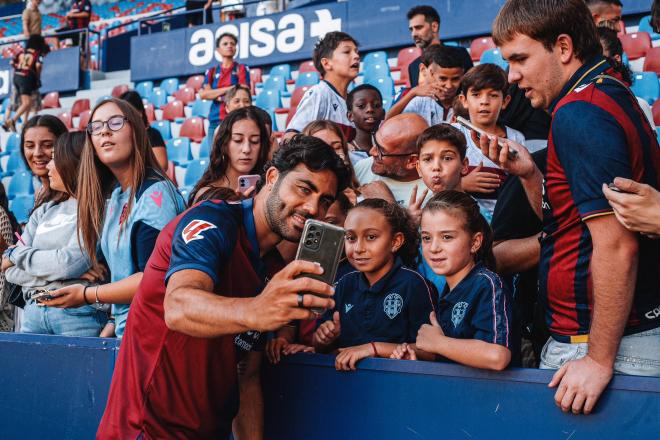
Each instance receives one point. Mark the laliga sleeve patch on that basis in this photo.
(193, 231)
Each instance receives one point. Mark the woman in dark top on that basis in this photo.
(155, 138)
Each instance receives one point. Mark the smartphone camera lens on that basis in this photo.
(312, 228)
(308, 243)
(242, 182)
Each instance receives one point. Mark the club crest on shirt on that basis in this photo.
(392, 305)
(458, 312)
(194, 230)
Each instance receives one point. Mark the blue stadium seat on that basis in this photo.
(20, 184)
(194, 171)
(307, 79)
(645, 85)
(21, 207)
(275, 82)
(178, 150)
(14, 163)
(201, 107)
(164, 128)
(494, 56)
(376, 71)
(13, 143)
(657, 130)
(205, 147)
(371, 58)
(170, 85)
(386, 88)
(268, 99)
(145, 88)
(158, 98)
(283, 70)
(645, 26)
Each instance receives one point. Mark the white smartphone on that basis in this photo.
(467, 124)
(247, 181)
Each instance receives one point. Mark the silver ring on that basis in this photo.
(301, 298)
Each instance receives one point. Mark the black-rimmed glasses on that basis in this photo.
(115, 123)
(382, 154)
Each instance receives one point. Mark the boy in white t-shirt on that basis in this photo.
(337, 59)
(484, 95)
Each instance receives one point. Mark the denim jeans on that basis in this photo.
(638, 355)
(80, 321)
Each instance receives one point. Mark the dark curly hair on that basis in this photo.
(400, 221)
(219, 160)
(468, 208)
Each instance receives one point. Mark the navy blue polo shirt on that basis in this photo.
(392, 310)
(479, 307)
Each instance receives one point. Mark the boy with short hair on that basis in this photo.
(365, 110)
(441, 71)
(484, 92)
(337, 59)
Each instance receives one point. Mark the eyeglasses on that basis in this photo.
(115, 123)
(382, 154)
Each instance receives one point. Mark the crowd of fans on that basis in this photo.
(460, 246)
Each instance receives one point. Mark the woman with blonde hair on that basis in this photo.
(118, 163)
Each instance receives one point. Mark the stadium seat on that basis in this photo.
(386, 88)
(656, 112)
(195, 82)
(269, 100)
(79, 106)
(652, 60)
(645, 26)
(173, 111)
(51, 100)
(405, 57)
(201, 107)
(307, 79)
(636, 44)
(149, 110)
(185, 94)
(158, 98)
(20, 184)
(21, 206)
(275, 82)
(296, 96)
(194, 172)
(645, 85)
(178, 150)
(479, 46)
(205, 147)
(164, 128)
(13, 163)
(307, 66)
(255, 77)
(372, 58)
(83, 120)
(494, 56)
(283, 70)
(103, 98)
(193, 128)
(119, 90)
(376, 71)
(145, 88)
(66, 118)
(169, 85)
(13, 143)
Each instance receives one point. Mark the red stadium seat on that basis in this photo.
(149, 110)
(479, 46)
(636, 44)
(652, 61)
(51, 100)
(119, 90)
(195, 82)
(405, 57)
(173, 110)
(656, 112)
(307, 66)
(185, 95)
(255, 77)
(79, 106)
(84, 120)
(66, 118)
(296, 96)
(193, 129)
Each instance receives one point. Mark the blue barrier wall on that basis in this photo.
(55, 387)
(290, 36)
